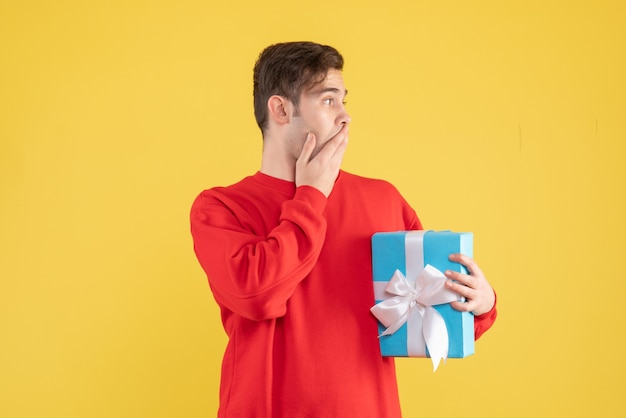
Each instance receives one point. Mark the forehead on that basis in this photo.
(333, 82)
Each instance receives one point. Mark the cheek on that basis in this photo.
(318, 121)
(324, 125)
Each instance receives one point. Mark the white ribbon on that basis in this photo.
(412, 304)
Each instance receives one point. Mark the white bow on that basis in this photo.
(408, 301)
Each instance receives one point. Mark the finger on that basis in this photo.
(462, 290)
(342, 135)
(468, 262)
(336, 146)
(462, 306)
(307, 148)
(337, 156)
(468, 303)
(343, 144)
(466, 280)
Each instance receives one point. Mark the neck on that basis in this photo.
(275, 162)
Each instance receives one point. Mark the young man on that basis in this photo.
(288, 257)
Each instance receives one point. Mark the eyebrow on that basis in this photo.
(331, 90)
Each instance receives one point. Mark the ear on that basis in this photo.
(279, 109)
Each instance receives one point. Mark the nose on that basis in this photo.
(344, 116)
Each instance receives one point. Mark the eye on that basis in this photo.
(329, 101)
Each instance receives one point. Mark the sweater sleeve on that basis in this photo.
(253, 275)
(483, 322)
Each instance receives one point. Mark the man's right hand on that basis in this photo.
(322, 170)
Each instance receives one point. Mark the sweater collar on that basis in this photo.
(280, 185)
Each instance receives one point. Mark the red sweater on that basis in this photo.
(292, 273)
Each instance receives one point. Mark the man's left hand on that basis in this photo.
(479, 296)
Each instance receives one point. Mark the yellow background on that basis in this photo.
(505, 118)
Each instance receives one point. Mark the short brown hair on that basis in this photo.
(285, 69)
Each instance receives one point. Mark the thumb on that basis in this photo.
(307, 148)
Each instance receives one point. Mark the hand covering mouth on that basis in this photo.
(339, 131)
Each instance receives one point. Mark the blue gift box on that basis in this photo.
(390, 252)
